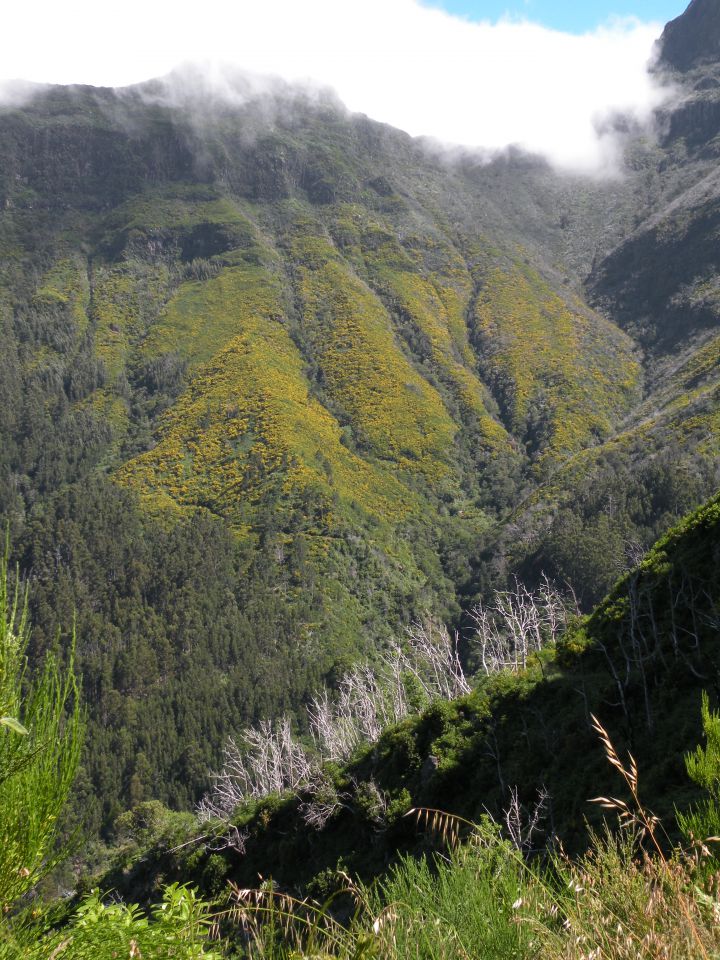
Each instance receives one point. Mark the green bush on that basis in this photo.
(178, 928)
(703, 767)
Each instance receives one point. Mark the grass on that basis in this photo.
(626, 898)
(482, 902)
(458, 904)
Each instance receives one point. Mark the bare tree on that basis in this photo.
(323, 801)
(522, 825)
(267, 760)
(435, 661)
(357, 713)
(517, 623)
(368, 699)
(233, 839)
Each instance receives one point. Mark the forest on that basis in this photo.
(360, 529)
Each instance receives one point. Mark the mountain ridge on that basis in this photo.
(693, 38)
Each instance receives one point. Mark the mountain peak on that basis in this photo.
(694, 37)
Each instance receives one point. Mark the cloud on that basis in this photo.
(418, 68)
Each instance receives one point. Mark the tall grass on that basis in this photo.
(630, 897)
(463, 905)
(620, 903)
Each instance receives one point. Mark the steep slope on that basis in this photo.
(223, 327)
(659, 283)
(319, 366)
(692, 39)
(639, 663)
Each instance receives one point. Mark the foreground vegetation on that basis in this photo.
(487, 894)
(630, 895)
(458, 886)
(549, 874)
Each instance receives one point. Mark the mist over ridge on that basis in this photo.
(479, 85)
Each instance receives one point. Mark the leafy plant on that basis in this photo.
(702, 822)
(40, 739)
(179, 928)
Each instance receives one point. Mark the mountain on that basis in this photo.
(278, 379)
(693, 39)
(656, 276)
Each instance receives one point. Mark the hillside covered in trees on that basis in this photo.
(350, 855)
(278, 381)
(513, 740)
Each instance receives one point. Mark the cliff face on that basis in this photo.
(660, 282)
(692, 39)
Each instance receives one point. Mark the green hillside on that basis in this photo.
(639, 663)
(354, 477)
(277, 381)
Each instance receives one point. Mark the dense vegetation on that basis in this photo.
(483, 889)
(639, 663)
(41, 729)
(263, 405)
(526, 747)
(277, 384)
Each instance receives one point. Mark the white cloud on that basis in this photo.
(415, 67)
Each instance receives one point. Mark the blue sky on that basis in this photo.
(573, 16)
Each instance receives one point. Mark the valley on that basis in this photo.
(279, 382)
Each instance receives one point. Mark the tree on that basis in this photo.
(41, 730)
